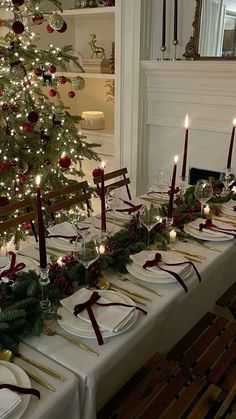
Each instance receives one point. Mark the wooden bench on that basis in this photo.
(228, 299)
(195, 380)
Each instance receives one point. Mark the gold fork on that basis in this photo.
(124, 278)
(50, 332)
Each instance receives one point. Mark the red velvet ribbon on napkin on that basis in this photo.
(234, 207)
(70, 238)
(23, 390)
(88, 306)
(14, 268)
(133, 208)
(157, 261)
(210, 226)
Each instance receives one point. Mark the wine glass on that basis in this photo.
(203, 192)
(149, 217)
(162, 182)
(113, 201)
(226, 177)
(86, 252)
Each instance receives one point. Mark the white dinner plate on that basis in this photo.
(146, 276)
(22, 380)
(203, 236)
(60, 244)
(30, 264)
(81, 328)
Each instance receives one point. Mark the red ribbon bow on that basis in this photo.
(210, 226)
(133, 208)
(88, 306)
(234, 207)
(70, 238)
(157, 261)
(14, 268)
(23, 390)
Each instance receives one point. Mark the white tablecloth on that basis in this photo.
(64, 403)
(167, 321)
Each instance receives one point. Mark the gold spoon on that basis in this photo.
(103, 284)
(7, 355)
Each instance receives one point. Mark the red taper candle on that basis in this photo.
(186, 124)
(163, 44)
(175, 20)
(41, 230)
(231, 145)
(103, 199)
(172, 190)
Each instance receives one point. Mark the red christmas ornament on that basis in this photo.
(27, 83)
(62, 79)
(52, 92)
(33, 117)
(4, 166)
(64, 161)
(26, 225)
(27, 127)
(38, 71)
(97, 172)
(15, 107)
(18, 27)
(37, 19)
(49, 29)
(64, 27)
(71, 94)
(52, 69)
(1, 93)
(4, 201)
(17, 2)
(23, 178)
(5, 107)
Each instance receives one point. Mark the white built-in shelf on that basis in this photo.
(104, 76)
(93, 12)
(105, 133)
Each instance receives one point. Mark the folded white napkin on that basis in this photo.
(111, 318)
(208, 232)
(122, 216)
(63, 229)
(167, 257)
(8, 402)
(228, 208)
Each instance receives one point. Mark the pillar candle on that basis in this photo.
(41, 231)
(172, 190)
(231, 145)
(183, 175)
(103, 199)
(175, 20)
(164, 24)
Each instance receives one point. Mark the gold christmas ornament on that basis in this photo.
(78, 83)
(56, 21)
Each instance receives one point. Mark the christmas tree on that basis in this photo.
(38, 135)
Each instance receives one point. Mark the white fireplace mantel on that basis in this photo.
(206, 90)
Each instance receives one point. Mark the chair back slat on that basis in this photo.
(14, 222)
(67, 203)
(117, 183)
(7, 209)
(66, 190)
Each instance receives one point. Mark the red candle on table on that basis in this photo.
(103, 199)
(172, 190)
(175, 20)
(164, 24)
(231, 146)
(183, 175)
(41, 231)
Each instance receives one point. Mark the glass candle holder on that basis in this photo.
(44, 282)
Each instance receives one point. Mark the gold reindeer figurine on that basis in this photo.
(96, 50)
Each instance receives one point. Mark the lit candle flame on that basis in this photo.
(38, 180)
(103, 164)
(176, 159)
(102, 249)
(234, 121)
(186, 123)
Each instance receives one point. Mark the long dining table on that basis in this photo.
(168, 318)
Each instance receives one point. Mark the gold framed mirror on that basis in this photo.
(214, 31)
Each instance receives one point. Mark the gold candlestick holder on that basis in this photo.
(175, 43)
(44, 282)
(163, 58)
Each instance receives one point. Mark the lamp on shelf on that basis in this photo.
(93, 120)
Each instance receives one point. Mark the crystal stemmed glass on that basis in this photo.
(162, 181)
(87, 252)
(113, 201)
(203, 192)
(226, 177)
(149, 217)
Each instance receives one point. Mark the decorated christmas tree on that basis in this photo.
(38, 135)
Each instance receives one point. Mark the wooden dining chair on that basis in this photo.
(10, 217)
(110, 177)
(65, 198)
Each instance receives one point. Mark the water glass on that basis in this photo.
(203, 192)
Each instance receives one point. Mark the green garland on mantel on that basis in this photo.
(20, 311)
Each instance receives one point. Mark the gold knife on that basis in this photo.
(41, 367)
(195, 255)
(144, 287)
(80, 344)
(136, 294)
(203, 245)
(39, 380)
